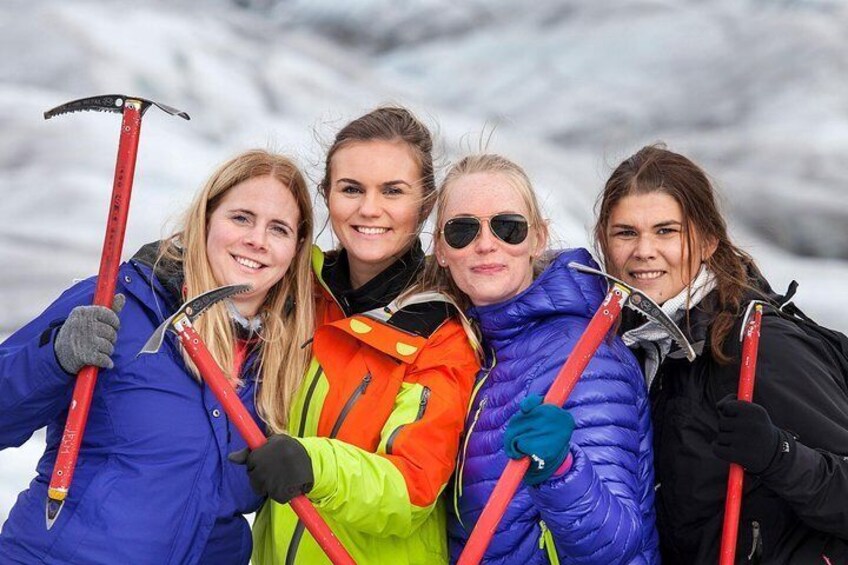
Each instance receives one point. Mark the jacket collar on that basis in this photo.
(334, 274)
(167, 272)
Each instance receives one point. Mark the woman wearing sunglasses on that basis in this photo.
(373, 431)
(588, 495)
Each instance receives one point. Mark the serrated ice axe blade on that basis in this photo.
(644, 305)
(191, 311)
(110, 103)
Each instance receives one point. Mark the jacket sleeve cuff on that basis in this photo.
(566, 465)
(566, 485)
(784, 457)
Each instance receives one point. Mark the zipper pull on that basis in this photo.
(756, 542)
(543, 529)
(422, 405)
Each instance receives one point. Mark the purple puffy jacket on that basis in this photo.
(600, 511)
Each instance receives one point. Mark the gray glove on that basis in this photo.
(88, 337)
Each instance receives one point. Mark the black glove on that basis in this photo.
(281, 469)
(745, 435)
(88, 337)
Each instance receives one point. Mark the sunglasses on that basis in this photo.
(462, 230)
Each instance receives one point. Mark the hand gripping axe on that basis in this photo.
(620, 294)
(132, 109)
(180, 323)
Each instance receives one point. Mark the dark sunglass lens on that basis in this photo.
(459, 232)
(510, 228)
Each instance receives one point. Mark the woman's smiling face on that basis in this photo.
(648, 247)
(252, 238)
(375, 199)
(488, 269)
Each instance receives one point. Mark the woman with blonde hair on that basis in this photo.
(152, 484)
(374, 429)
(588, 495)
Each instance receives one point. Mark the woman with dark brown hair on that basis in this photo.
(660, 230)
(373, 432)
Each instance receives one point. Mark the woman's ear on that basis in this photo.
(708, 248)
(541, 240)
(439, 253)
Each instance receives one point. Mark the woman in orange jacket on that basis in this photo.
(372, 433)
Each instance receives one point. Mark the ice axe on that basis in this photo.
(750, 338)
(180, 323)
(132, 109)
(619, 295)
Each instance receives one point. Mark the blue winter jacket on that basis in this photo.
(152, 483)
(600, 511)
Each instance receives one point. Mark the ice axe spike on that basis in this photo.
(110, 103)
(191, 310)
(131, 109)
(619, 295)
(216, 380)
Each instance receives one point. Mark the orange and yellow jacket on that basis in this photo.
(380, 412)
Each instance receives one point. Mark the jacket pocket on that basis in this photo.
(419, 413)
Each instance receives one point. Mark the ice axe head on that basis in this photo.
(749, 311)
(110, 103)
(189, 312)
(641, 303)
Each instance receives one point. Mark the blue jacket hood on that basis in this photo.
(558, 290)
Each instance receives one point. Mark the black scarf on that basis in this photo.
(378, 291)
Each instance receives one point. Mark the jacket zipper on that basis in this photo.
(546, 542)
(457, 490)
(756, 543)
(360, 390)
(422, 406)
(308, 400)
(299, 526)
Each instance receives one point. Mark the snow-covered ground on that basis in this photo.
(755, 90)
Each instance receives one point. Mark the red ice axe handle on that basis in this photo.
(214, 377)
(562, 386)
(66, 459)
(733, 502)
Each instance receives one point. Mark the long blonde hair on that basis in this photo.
(287, 313)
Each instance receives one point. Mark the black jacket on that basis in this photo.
(794, 512)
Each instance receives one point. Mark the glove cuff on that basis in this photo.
(783, 454)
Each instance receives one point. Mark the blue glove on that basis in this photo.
(541, 432)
